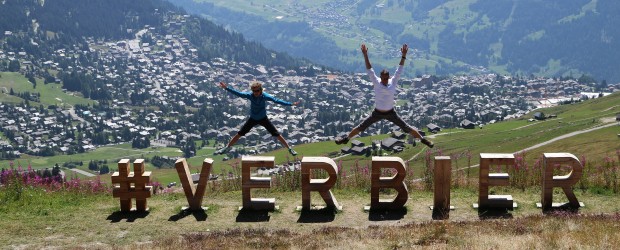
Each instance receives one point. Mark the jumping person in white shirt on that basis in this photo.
(385, 89)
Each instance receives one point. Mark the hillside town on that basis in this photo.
(160, 92)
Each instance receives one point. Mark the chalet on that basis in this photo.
(357, 143)
(467, 124)
(539, 116)
(399, 135)
(390, 142)
(358, 150)
(345, 150)
(432, 128)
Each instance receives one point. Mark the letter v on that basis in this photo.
(193, 194)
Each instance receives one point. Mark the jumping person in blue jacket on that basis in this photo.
(258, 114)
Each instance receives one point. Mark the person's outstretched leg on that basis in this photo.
(424, 141)
(247, 126)
(346, 139)
(230, 144)
(233, 140)
(274, 132)
(285, 144)
(372, 118)
(395, 118)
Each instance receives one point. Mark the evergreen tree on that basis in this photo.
(56, 170)
(104, 170)
(14, 66)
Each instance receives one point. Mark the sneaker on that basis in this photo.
(427, 142)
(292, 151)
(342, 140)
(222, 150)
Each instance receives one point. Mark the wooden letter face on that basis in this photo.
(248, 182)
(566, 182)
(395, 182)
(322, 186)
(193, 194)
(442, 178)
(125, 192)
(487, 179)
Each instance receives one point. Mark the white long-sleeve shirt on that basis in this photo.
(384, 95)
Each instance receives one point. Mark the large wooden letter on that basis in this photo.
(394, 182)
(322, 186)
(442, 178)
(140, 191)
(193, 194)
(248, 182)
(494, 179)
(566, 182)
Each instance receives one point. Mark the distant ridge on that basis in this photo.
(546, 38)
(55, 24)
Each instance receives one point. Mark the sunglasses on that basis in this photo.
(257, 90)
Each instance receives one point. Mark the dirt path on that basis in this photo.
(79, 171)
(610, 121)
(566, 136)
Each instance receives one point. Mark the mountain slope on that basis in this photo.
(548, 38)
(39, 27)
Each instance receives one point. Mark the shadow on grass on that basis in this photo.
(128, 216)
(200, 215)
(249, 215)
(562, 210)
(323, 215)
(386, 214)
(440, 214)
(494, 213)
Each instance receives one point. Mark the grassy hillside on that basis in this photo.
(88, 216)
(548, 38)
(503, 137)
(51, 94)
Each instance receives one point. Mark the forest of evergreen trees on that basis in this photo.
(64, 24)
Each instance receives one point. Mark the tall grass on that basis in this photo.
(598, 175)
(19, 187)
(17, 179)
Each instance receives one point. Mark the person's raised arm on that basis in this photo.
(278, 101)
(235, 92)
(403, 51)
(365, 52)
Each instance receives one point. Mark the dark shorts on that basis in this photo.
(251, 123)
(391, 116)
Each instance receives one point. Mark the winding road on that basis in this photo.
(610, 123)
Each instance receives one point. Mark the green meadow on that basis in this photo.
(51, 94)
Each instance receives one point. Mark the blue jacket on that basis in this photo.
(258, 104)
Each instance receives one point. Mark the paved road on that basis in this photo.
(75, 116)
(565, 136)
(539, 144)
(79, 171)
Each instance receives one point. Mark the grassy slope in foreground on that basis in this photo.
(41, 219)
